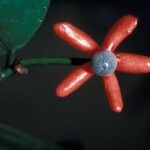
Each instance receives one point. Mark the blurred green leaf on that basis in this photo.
(12, 139)
(19, 20)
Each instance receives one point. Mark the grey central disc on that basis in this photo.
(104, 63)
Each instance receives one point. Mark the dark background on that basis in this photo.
(84, 119)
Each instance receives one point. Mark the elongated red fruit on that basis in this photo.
(133, 63)
(74, 80)
(76, 38)
(119, 31)
(113, 92)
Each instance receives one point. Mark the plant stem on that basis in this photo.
(54, 61)
(45, 61)
(6, 72)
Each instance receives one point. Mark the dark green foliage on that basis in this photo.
(19, 20)
(11, 139)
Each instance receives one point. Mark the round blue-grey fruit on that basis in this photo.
(104, 63)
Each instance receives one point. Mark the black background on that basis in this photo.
(84, 119)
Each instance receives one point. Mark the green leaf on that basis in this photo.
(19, 20)
(14, 139)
